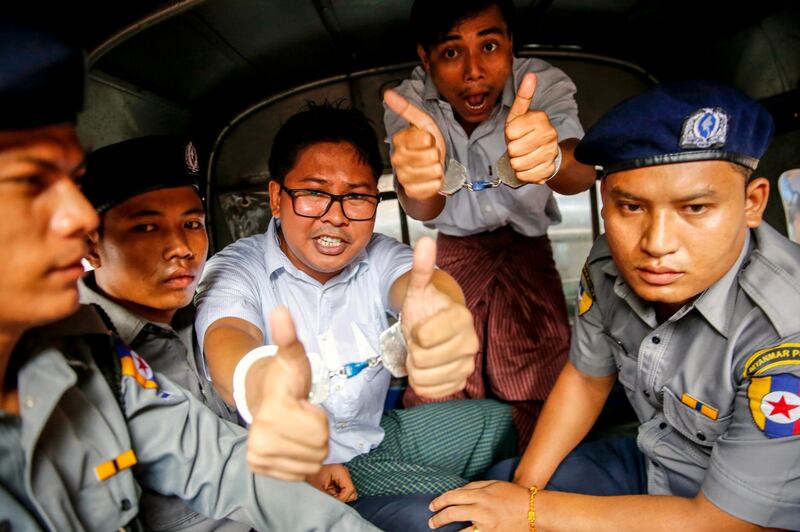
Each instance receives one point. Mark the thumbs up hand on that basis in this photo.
(288, 438)
(531, 139)
(439, 331)
(418, 153)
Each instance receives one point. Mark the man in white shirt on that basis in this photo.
(475, 135)
(321, 260)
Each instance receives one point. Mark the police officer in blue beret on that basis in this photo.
(84, 422)
(693, 304)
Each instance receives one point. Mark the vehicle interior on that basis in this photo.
(227, 73)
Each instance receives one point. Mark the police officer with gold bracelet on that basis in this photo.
(692, 303)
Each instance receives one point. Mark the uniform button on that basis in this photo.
(125, 505)
(29, 402)
(656, 340)
(662, 426)
(338, 388)
(701, 436)
(646, 393)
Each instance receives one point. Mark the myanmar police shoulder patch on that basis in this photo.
(586, 294)
(134, 366)
(772, 357)
(775, 404)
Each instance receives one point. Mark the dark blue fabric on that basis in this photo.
(604, 467)
(41, 79)
(120, 171)
(648, 129)
(400, 513)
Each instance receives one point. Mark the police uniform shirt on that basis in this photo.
(341, 320)
(716, 387)
(530, 209)
(84, 457)
(171, 352)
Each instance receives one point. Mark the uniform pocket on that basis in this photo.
(691, 423)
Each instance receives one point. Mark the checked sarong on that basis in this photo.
(435, 448)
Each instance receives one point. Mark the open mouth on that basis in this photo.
(329, 245)
(477, 103)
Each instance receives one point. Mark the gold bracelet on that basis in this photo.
(532, 509)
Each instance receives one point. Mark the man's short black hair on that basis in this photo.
(431, 20)
(319, 123)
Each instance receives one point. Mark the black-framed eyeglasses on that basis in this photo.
(310, 203)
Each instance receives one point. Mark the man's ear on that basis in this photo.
(423, 58)
(275, 198)
(93, 239)
(756, 195)
(603, 180)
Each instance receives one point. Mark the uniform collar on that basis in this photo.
(127, 324)
(276, 259)
(716, 302)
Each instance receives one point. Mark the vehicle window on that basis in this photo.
(789, 187)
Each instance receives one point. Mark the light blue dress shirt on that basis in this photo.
(340, 320)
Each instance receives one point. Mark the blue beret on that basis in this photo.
(41, 79)
(679, 122)
(126, 169)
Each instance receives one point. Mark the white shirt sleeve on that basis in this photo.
(391, 259)
(229, 287)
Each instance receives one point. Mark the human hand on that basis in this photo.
(440, 332)
(490, 505)
(531, 139)
(335, 480)
(418, 152)
(288, 438)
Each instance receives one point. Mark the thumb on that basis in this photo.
(416, 117)
(294, 377)
(424, 264)
(522, 102)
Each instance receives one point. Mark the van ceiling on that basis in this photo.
(219, 56)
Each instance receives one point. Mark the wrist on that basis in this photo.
(532, 492)
(242, 377)
(556, 164)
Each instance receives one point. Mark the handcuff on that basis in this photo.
(457, 176)
(394, 351)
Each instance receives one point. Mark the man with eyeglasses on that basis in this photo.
(320, 259)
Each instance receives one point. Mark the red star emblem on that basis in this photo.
(781, 407)
(142, 365)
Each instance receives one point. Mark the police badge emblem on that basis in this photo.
(192, 163)
(705, 128)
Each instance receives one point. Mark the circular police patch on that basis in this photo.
(781, 407)
(775, 404)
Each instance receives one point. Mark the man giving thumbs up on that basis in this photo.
(479, 141)
(320, 259)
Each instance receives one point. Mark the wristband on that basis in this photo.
(557, 163)
(239, 374)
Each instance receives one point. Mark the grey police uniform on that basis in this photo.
(75, 460)
(699, 382)
(170, 350)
